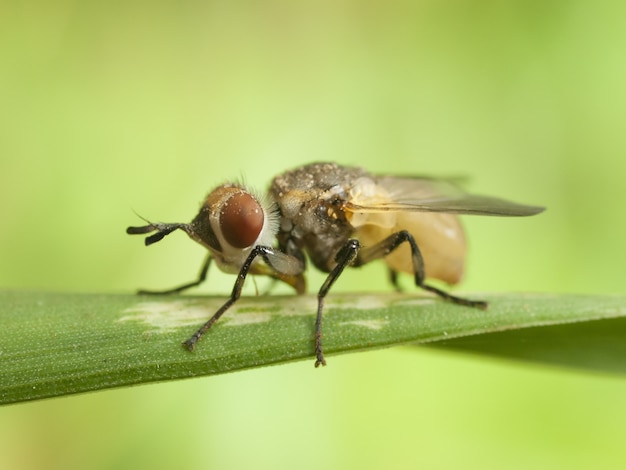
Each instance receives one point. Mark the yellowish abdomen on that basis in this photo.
(439, 237)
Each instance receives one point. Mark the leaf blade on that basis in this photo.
(55, 344)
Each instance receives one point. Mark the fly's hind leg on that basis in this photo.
(393, 278)
(201, 278)
(392, 242)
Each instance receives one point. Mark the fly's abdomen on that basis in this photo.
(439, 237)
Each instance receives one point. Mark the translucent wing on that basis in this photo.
(391, 193)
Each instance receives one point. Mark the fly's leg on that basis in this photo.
(201, 278)
(162, 230)
(393, 278)
(282, 264)
(392, 242)
(344, 258)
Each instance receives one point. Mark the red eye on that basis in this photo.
(241, 220)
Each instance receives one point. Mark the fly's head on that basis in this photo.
(231, 221)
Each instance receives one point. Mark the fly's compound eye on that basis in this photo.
(241, 220)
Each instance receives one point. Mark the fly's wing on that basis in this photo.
(396, 194)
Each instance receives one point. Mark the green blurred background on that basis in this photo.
(110, 107)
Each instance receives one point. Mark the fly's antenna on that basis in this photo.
(162, 229)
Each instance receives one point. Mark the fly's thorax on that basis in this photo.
(232, 221)
(323, 230)
(313, 194)
(316, 176)
(311, 202)
(320, 228)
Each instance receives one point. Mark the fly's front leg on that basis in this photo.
(345, 257)
(281, 264)
(392, 242)
(201, 278)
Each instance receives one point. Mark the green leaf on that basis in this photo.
(55, 344)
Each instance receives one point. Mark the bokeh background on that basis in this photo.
(110, 107)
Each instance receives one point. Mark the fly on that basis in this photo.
(336, 216)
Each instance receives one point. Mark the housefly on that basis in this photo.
(335, 216)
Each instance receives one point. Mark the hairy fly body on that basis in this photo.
(335, 216)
